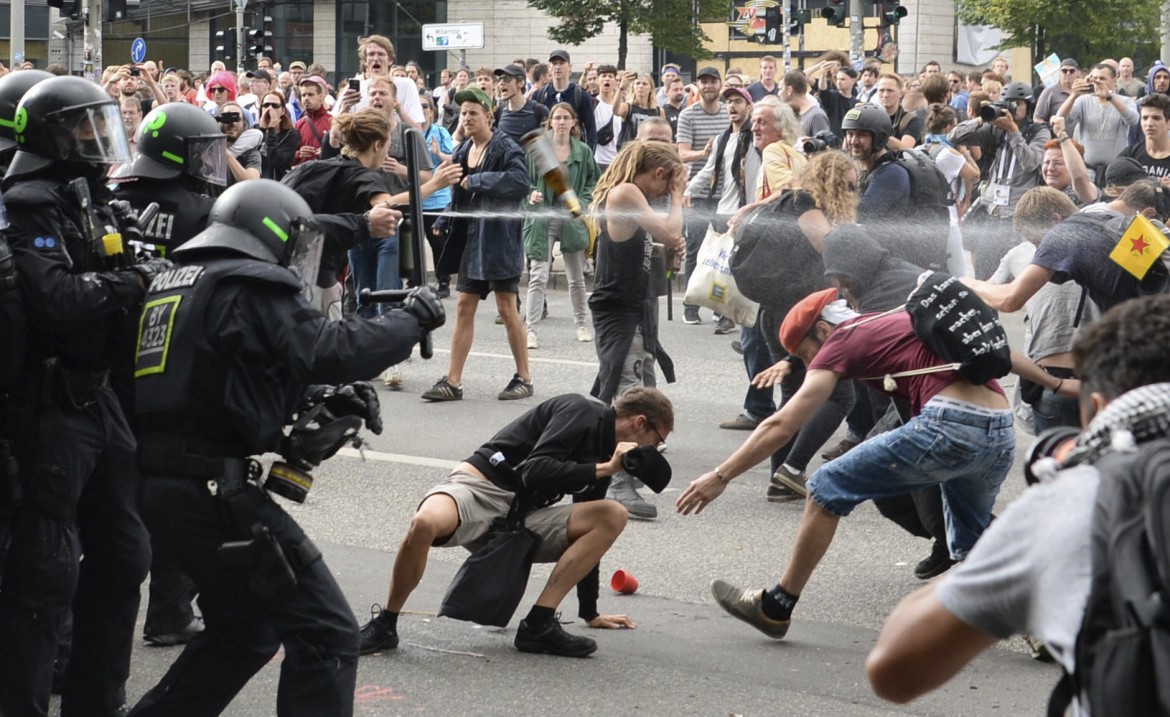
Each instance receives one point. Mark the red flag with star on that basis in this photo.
(1140, 247)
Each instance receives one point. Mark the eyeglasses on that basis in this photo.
(274, 105)
(657, 435)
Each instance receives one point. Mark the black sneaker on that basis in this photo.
(553, 640)
(938, 562)
(176, 637)
(691, 315)
(444, 290)
(516, 388)
(724, 326)
(443, 391)
(376, 634)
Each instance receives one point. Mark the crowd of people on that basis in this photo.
(1042, 185)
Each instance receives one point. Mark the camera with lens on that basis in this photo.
(228, 118)
(821, 141)
(994, 110)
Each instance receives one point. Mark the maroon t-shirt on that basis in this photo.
(886, 346)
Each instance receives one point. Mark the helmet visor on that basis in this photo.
(306, 243)
(99, 136)
(207, 159)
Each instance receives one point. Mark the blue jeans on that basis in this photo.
(966, 451)
(1055, 410)
(374, 265)
(758, 403)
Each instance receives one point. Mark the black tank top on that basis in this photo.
(622, 277)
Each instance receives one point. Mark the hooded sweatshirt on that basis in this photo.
(1135, 134)
(882, 281)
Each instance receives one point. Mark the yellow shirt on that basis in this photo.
(781, 165)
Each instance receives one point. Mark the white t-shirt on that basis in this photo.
(408, 102)
(950, 163)
(606, 153)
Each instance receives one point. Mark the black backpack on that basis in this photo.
(1123, 647)
(953, 322)
(919, 235)
(772, 262)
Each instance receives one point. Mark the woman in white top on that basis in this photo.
(960, 170)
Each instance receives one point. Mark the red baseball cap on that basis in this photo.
(803, 317)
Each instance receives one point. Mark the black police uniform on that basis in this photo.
(181, 213)
(76, 457)
(228, 347)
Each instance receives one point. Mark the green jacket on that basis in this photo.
(583, 174)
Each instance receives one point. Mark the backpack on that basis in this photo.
(1123, 647)
(922, 238)
(953, 322)
(1157, 279)
(772, 262)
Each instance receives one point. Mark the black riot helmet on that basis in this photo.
(869, 118)
(261, 219)
(178, 139)
(69, 123)
(12, 88)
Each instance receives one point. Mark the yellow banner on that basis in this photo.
(1140, 247)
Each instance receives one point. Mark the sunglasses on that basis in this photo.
(217, 89)
(1069, 71)
(275, 105)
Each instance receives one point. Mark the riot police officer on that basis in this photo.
(228, 348)
(179, 163)
(12, 88)
(75, 450)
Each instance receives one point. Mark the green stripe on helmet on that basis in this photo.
(280, 233)
(173, 157)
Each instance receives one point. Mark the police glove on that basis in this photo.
(352, 399)
(424, 305)
(151, 268)
(7, 269)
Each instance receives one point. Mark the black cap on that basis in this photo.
(511, 71)
(1124, 171)
(647, 464)
(708, 72)
(559, 55)
(260, 74)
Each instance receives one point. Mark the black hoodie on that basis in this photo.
(882, 281)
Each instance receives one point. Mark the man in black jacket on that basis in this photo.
(568, 444)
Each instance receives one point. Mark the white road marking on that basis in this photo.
(531, 358)
(399, 458)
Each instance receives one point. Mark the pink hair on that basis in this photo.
(224, 79)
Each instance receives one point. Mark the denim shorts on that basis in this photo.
(964, 448)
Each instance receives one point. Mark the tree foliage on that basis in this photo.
(1087, 31)
(671, 24)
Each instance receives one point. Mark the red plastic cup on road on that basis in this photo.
(623, 582)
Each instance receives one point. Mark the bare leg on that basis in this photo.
(462, 334)
(593, 527)
(813, 538)
(438, 516)
(517, 334)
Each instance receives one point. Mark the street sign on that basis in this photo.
(461, 36)
(138, 50)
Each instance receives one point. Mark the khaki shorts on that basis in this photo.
(480, 501)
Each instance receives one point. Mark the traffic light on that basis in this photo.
(225, 44)
(772, 19)
(260, 39)
(835, 13)
(800, 18)
(115, 10)
(892, 13)
(70, 9)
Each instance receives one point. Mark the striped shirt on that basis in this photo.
(697, 126)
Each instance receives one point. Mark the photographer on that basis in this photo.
(568, 444)
(1017, 151)
(1030, 572)
(243, 151)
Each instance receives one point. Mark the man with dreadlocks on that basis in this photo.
(625, 323)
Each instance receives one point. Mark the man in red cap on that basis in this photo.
(960, 437)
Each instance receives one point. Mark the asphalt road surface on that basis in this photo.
(686, 657)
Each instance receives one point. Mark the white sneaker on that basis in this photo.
(583, 335)
(392, 377)
(533, 342)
